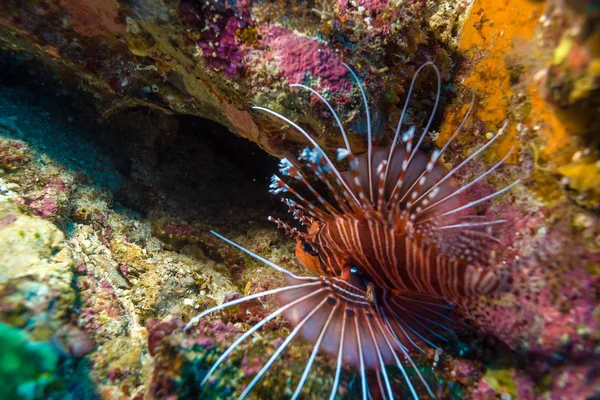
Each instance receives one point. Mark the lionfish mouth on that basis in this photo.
(355, 317)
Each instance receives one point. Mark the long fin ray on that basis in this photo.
(467, 160)
(408, 357)
(446, 145)
(313, 142)
(252, 330)
(244, 299)
(403, 114)
(338, 368)
(313, 355)
(369, 132)
(398, 362)
(335, 115)
(470, 184)
(279, 350)
(363, 374)
(411, 154)
(254, 255)
(380, 358)
(483, 199)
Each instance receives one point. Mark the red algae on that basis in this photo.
(242, 121)
(94, 17)
(372, 6)
(306, 60)
(484, 391)
(157, 331)
(219, 24)
(45, 202)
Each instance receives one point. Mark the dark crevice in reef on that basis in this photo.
(188, 167)
(188, 160)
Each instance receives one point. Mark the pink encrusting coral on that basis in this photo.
(302, 59)
(45, 202)
(557, 315)
(370, 5)
(158, 330)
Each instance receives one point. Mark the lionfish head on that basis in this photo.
(307, 255)
(369, 309)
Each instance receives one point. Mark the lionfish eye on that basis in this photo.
(307, 247)
(359, 274)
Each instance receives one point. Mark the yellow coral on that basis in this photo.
(501, 380)
(583, 177)
(562, 51)
(493, 29)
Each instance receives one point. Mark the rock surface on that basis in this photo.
(108, 188)
(36, 269)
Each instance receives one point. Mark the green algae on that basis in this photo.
(31, 370)
(26, 367)
(501, 380)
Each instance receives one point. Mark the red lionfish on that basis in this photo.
(394, 251)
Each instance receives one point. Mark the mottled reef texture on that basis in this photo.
(115, 163)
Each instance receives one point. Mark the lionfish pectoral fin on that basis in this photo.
(315, 290)
(346, 325)
(413, 318)
(334, 315)
(419, 320)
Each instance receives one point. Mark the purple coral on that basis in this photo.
(157, 331)
(218, 24)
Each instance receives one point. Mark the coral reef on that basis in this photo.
(217, 58)
(35, 286)
(110, 183)
(92, 283)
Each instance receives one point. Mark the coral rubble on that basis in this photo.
(110, 183)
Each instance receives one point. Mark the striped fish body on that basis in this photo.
(396, 260)
(392, 267)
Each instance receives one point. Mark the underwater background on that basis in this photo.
(127, 134)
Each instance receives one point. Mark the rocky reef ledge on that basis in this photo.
(127, 133)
